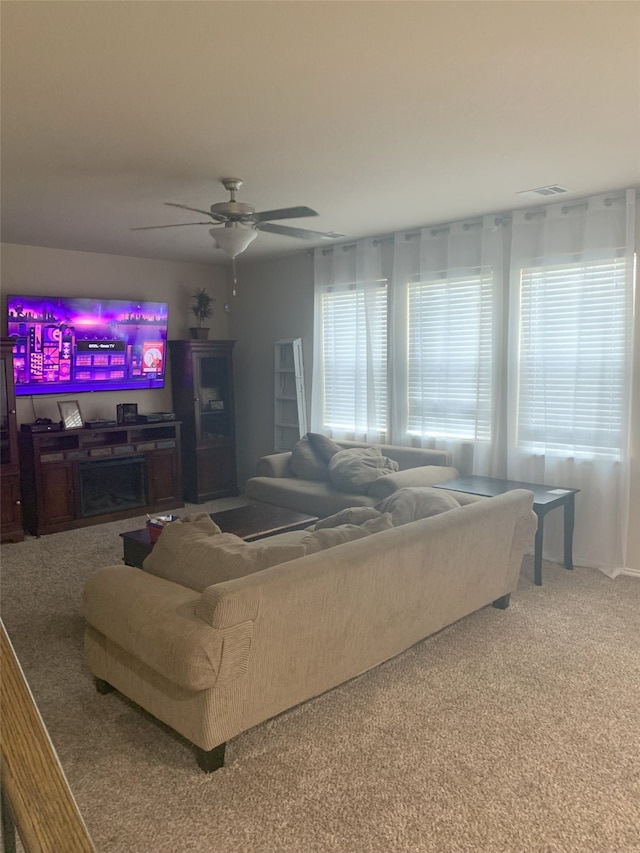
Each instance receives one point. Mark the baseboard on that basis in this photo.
(632, 573)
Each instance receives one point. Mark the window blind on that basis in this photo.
(449, 365)
(354, 352)
(574, 339)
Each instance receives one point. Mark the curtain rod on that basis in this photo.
(499, 219)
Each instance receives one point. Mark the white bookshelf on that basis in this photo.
(290, 407)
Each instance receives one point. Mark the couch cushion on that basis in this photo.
(351, 515)
(328, 537)
(426, 475)
(187, 555)
(310, 496)
(323, 445)
(410, 504)
(354, 470)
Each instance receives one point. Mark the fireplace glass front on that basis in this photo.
(112, 485)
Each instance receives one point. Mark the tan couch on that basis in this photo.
(212, 664)
(276, 483)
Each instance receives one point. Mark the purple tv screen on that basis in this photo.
(66, 345)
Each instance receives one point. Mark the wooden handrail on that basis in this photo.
(33, 783)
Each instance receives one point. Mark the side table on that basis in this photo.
(545, 498)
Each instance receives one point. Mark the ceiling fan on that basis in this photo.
(240, 222)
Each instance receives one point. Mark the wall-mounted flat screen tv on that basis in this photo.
(68, 344)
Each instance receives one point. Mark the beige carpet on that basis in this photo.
(514, 730)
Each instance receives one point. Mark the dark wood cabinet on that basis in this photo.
(11, 512)
(163, 478)
(58, 492)
(73, 478)
(202, 382)
(11, 527)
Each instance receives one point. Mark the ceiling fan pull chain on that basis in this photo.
(235, 279)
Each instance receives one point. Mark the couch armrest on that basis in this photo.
(154, 620)
(274, 465)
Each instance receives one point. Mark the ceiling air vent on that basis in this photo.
(553, 189)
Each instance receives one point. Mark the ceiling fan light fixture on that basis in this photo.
(233, 238)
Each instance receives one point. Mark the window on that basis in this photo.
(449, 361)
(574, 339)
(354, 358)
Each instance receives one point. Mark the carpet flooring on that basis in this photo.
(515, 730)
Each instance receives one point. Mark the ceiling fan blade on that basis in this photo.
(283, 213)
(175, 225)
(216, 216)
(302, 233)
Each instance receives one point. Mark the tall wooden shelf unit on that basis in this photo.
(11, 528)
(290, 406)
(202, 381)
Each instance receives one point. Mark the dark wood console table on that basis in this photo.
(545, 498)
(252, 522)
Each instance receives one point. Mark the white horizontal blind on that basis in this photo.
(574, 340)
(450, 356)
(354, 354)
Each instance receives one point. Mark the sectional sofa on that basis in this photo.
(212, 654)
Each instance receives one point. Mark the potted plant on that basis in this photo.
(201, 308)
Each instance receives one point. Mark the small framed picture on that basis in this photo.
(70, 414)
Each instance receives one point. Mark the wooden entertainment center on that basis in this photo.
(74, 478)
(55, 480)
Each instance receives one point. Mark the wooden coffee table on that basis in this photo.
(255, 521)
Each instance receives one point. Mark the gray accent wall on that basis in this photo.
(274, 300)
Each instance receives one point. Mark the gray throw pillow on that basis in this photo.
(324, 446)
(306, 463)
(320, 540)
(412, 503)
(353, 470)
(351, 515)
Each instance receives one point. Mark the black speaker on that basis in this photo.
(127, 413)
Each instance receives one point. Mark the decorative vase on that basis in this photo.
(199, 333)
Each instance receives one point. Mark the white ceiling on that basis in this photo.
(379, 115)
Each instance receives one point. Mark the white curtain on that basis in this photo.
(448, 320)
(350, 396)
(506, 341)
(570, 356)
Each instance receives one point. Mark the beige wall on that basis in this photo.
(29, 269)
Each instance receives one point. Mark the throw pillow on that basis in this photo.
(351, 515)
(327, 537)
(200, 524)
(410, 504)
(320, 540)
(323, 445)
(354, 469)
(377, 525)
(306, 463)
(196, 555)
